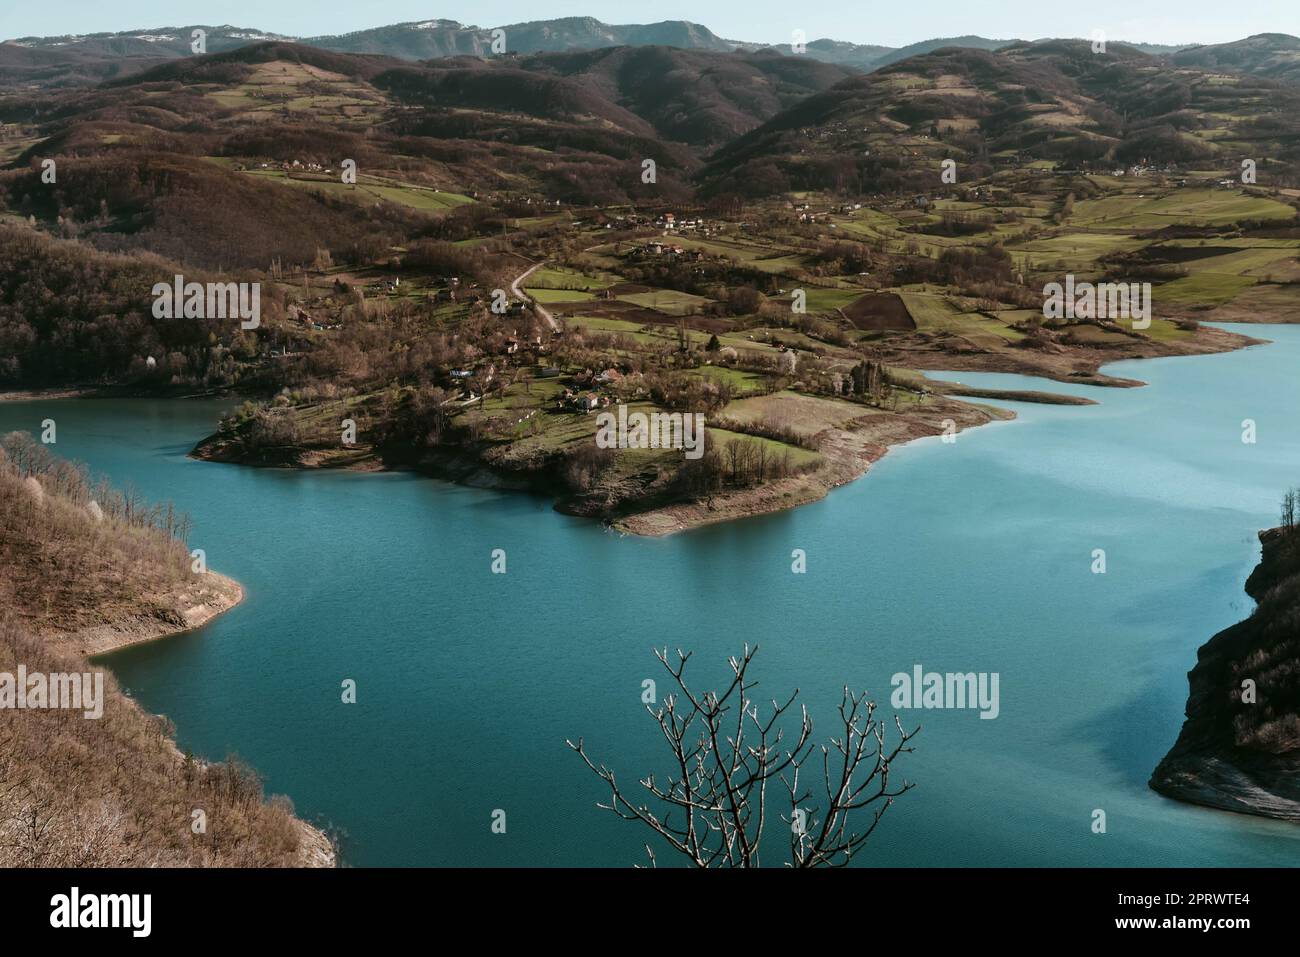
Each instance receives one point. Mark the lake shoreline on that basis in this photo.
(1214, 778)
(80, 580)
(220, 594)
(193, 611)
(1215, 762)
(316, 849)
(451, 517)
(848, 452)
(39, 395)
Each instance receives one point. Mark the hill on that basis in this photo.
(859, 57)
(158, 42)
(1054, 102)
(569, 126)
(939, 43)
(88, 58)
(1275, 56)
(702, 99)
(415, 40)
(438, 38)
(84, 568)
(23, 66)
(208, 139)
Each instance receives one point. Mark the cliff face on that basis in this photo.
(1240, 747)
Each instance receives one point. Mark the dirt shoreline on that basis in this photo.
(33, 395)
(193, 607)
(849, 451)
(849, 454)
(1060, 362)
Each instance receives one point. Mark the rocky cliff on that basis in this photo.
(1240, 747)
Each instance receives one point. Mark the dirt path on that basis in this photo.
(541, 310)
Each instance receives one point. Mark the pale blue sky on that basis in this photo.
(892, 24)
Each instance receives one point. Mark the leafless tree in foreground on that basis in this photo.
(726, 755)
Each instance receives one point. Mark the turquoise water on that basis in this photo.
(973, 556)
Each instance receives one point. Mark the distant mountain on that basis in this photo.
(438, 38)
(159, 148)
(416, 40)
(856, 56)
(970, 42)
(152, 43)
(1159, 49)
(691, 86)
(58, 68)
(245, 141)
(692, 96)
(1051, 100)
(80, 59)
(928, 46)
(1272, 55)
(430, 39)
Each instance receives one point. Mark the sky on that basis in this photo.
(767, 21)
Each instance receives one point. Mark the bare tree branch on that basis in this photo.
(724, 754)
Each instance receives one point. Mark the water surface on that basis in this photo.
(971, 556)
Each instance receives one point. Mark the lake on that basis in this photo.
(970, 556)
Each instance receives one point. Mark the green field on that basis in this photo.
(798, 455)
(934, 313)
(1202, 289)
(668, 301)
(1074, 251)
(828, 300)
(544, 295)
(805, 414)
(1186, 206)
(635, 330)
(741, 382)
(558, 277)
(768, 258)
(367, 189)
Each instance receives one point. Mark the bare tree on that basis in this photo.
(713, 808)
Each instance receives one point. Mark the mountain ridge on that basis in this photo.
(426, 39)
(1050, 100)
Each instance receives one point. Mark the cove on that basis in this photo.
(973, 556)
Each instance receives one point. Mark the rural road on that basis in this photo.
(517, 290)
